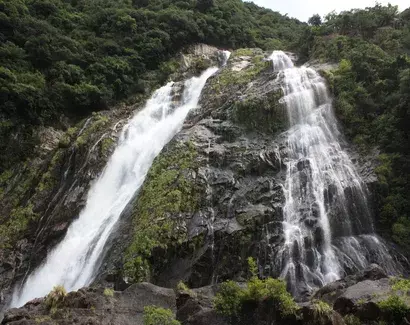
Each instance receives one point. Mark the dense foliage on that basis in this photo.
(372, 96)
(232, 298)
(78, 56)
(159, 316)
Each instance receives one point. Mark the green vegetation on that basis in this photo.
(56, 298)
(97, 123)
(264, 114)
(108, 292)
(167, 191)
(400, 284)
(352, 320)
(106, 144)
(159, 316)
(229, 77)
(181, 286)
(16, 225)
(322, 311)
(231, 297)
(372, 97)
(75, 57)
(394, 309)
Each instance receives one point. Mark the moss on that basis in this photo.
(167, 192)
(243, 52)
(200, 64)
(48, 181)
(230, 77)
(106, 144)
(42, 319)
(264, 114)
(98, 123)
(108, 292)
(16, 225)
(5, 177)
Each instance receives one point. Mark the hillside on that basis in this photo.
(61, 60)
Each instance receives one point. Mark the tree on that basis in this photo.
(204, 5)
(315, 20)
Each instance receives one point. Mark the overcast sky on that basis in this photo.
(303, 9)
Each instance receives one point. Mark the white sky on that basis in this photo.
(303, 9)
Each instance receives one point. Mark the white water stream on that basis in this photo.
(73, 261)
(327, 226)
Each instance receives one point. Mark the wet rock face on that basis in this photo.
(236, 175)
(237, 179)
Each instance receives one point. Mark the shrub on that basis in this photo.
(352, 320)
(394, 309)
(401, 285)
(322, 311)
(56, 298)
(231, 297)
(159, 316)
(181, 286)
(228, 301)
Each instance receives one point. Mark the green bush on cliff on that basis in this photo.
(56, 298)
(231, 297)
(394, 309)
(154, 315)
(322, 311)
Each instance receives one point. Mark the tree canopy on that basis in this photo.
(73, 57)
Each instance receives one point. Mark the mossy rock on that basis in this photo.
(167, 195)
(264, 114)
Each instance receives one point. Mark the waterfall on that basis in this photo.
(328, 226)
(73, 262)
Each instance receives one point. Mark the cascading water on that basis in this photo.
(73, 262)
(327, 225)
